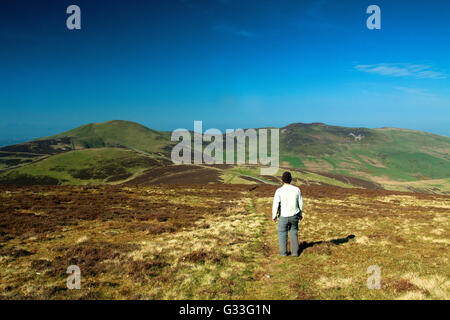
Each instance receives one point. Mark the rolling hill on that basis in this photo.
(122, 151)
(118, 133)
(385, 154)
(79, 167)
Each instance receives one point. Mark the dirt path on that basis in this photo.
(259, 179)
(276, 275)
(25, 164)
(346, 231)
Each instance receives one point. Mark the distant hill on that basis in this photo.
(390, 158)
(88, 166)
(118, 133)
(8, 142)
(375, 154)
(115, 134)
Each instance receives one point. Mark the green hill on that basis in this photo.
(118, 133)
(374, 154)
(114, 134)
(79, 167)
(392, 158)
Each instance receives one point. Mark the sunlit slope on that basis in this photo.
(377, 154)
(321, 154)
(79, 167)
(118, 133)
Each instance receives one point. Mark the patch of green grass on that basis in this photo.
(90, 166)
(294, 161)
(311, 178)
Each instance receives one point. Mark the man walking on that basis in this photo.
(288, 199)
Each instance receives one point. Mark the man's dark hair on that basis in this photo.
(286, 177)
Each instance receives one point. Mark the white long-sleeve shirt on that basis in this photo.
(291, 201)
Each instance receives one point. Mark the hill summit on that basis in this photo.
(394, 158)
(117, 133)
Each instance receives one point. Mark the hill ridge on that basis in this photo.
(387, 155)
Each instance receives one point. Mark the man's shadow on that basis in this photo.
(305, 245)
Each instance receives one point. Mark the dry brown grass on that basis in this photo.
(217, 242)
(405, 234)
(156, 242)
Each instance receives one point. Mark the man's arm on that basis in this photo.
(276, 204)
(300, 202)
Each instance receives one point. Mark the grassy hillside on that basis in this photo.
(118, 133)
(299, 177)
(375, 154)
(25, 153)
(427, 186)
(396, 159)
(90, 166)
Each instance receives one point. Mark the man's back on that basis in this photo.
(290, 198)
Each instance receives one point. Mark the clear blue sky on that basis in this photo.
(230, 63)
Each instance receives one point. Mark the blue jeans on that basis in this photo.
(290, 224)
